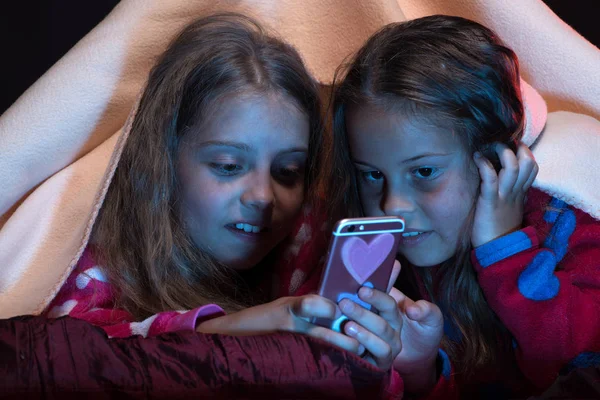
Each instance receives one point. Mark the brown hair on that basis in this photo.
(148, 256)
(457, 71)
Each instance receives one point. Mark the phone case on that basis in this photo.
(361, 253)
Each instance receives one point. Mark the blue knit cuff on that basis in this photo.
(445, 361)
(502, 248)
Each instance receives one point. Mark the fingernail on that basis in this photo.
(366, 292)
(351, 330)
(361, 349)
(477, 154)
(347, 306)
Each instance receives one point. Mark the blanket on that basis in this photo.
(60, 141)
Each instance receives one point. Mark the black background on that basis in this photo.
(35, 34)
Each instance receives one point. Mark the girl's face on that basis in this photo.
(242, 177)
(413, 169)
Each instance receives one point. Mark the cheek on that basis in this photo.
(202, 198)
(370, 203)
(289, 201)
(449, 209)
(196, 210)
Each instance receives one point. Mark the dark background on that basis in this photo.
(35, 34)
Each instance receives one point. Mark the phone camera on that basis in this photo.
(351, 228)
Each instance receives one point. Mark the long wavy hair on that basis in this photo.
(459, 72)
(139, 236)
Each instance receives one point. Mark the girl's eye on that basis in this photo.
(289, 172)
(425, 172)
(289, 175)
(226, 169)
(371, 176)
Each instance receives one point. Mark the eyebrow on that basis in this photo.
(415, 158)
(245, 147)
(224, 143)
(408, 160)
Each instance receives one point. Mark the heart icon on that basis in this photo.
(362, 259)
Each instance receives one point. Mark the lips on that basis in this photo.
(414, 237)
(412, 234)
(248, 228)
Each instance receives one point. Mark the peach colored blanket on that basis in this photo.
(60, 141)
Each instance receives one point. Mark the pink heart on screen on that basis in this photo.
(362, 259)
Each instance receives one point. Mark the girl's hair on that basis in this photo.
(455, 72)
(139, 234)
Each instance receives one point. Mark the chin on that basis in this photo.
(425, 265)
(425, 262)
(244, 264)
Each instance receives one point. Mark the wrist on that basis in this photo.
(421, 379)
(480, 240)
(212, 325)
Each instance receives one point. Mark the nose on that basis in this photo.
(259, 193)
(397, 204)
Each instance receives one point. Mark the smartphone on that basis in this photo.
(361, 253)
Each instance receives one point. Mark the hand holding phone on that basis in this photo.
(361, 253)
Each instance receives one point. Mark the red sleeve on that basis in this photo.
(395, 388)
(168, 321)
(88, 296)
(543, 282)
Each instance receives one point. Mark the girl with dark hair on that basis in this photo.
(222, 151)
(428, 119)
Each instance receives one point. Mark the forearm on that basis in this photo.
(421, 381)
(251, 321)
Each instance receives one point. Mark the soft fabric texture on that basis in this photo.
(567, 154)
(68, 358)
(88, 295)
(57, 140)
(542, 281)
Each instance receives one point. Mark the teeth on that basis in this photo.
(410, 234)
(248, 228)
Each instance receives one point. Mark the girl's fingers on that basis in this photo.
(531, 178)
(337, 339)
(383, 325)
(489, 179)
(384, 304)
(369, 320)
(509, 173)
(380, 350)
(312, 305)
(526, 166)
(425, 313)
(394, 276)
(402, 301)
